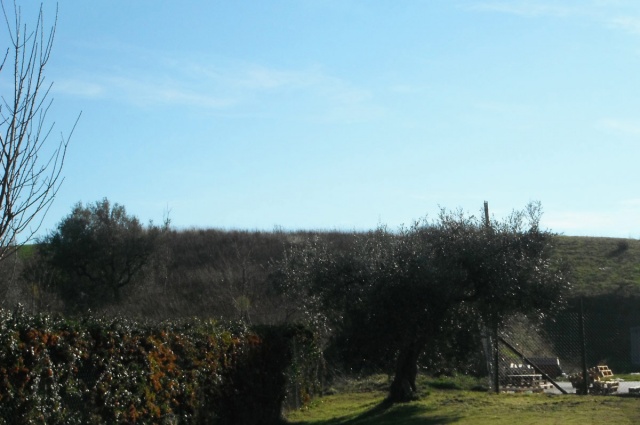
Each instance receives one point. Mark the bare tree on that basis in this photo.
(30, 163)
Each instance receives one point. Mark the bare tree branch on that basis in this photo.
(30, 162)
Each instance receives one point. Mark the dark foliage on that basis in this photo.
(257, 388)
(95, 370)
(95, 253)
(408, 292)
(221, 273)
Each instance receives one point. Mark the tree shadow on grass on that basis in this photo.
(387, 413)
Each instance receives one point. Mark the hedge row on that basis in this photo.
(95, 371)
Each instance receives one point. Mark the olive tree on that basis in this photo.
(403, 293)
(96, 252)
(30, 161)
(490, 272)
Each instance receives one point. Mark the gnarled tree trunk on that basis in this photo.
(403, 388)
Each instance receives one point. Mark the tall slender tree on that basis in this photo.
(30, 161)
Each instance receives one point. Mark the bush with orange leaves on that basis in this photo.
(96, 370)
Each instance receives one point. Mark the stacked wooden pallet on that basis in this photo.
(600, 372)
(600, 381)
(520, 378)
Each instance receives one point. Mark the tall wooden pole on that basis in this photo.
(486, 214)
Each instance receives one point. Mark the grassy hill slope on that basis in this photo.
(601, 265)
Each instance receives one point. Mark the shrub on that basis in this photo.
(95, 370)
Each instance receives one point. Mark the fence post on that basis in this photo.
(496, 347)
(496, 360)
(583, 350)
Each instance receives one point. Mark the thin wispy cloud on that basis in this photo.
(615, 14)
(633, 203)
(226, 87)
(78, 87)
(620, 126)
(263, 78)
(312, 82)
(409, 89)
(139, 91)
(525, 8)
(630, 24)
(331, 98)
(168, 91)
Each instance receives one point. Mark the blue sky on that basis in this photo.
(341, 114)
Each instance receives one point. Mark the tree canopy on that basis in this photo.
(403, 291)
(96, 251)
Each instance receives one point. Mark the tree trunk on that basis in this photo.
(116, 293)
(403, 388)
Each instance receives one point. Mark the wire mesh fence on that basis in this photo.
(581, 347)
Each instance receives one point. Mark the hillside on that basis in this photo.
(208, 271)
(601, 265)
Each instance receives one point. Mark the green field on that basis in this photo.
(601, 265)
(443, 402)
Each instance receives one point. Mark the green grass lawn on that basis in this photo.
(463, 406)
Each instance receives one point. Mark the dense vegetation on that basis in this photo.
(397, 296)
(154, 274)
(207, 272)
(225, 274)
(96, 370)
